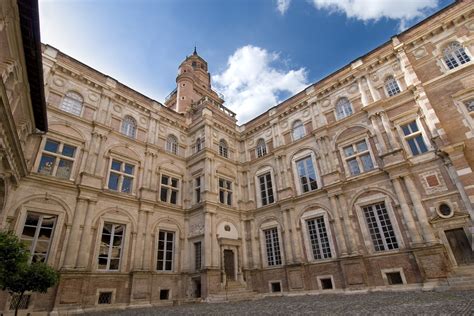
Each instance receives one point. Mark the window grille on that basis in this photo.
(455, 55)
(319, 238)
(110, 251)
(165, 251)
(272, 244)
(172, 144)
(298, 130)
(380, 227)
(261, 148)
(392, 86)
(358, 158)
(129, 126)
(266, 188)
(223, 149)
(105, 298)
(24, 303)
(343, 108)
(72, 103)
(306, 174)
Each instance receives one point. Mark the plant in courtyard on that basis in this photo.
(16, 275)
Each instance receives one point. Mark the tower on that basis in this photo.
(193, 82)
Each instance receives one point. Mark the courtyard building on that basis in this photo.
(362, 181)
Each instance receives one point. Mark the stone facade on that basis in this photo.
(363, 180)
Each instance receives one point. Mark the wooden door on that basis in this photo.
(229, 264)
(460, 246)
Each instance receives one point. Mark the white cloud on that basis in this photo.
(254, 79)
(283, 5)
(373, 10)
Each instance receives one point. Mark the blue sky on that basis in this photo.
(259, 51)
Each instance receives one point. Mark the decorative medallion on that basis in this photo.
(143, 120)
(284, 124)
(269, 132)
(93, 97)
(419, 53)
(117, 108)
(58, 81)
(470, 26)
(326, 103)
(162, 128)
(227, 228)
(354, 88)
(305, 113)
(182, 138)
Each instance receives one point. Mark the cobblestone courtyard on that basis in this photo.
(380, 303)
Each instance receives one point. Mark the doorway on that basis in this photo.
(229, 264)
(460, 246)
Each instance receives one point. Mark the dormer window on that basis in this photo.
(72, 103)
(223, 149)
(261, 148)
(172, 144)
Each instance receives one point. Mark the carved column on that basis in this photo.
(375, 94)
(363, 95)
(215, 244)
(207, 240)
(148, 242)
(340, 236)
(388, 129)
(322, 154)
(286, 239)
(406, 212)
(85, 247)
(254, 244)
(141, 235)
(420, 210)
(378, 135)
(294, 236)
(352, 236)
(75, 235)
(244, 244)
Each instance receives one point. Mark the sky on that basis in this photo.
(259, 52)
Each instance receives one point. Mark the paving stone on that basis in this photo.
(377, 303)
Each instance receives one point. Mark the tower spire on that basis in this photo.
(195, 51)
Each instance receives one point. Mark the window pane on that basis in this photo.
(367, 162)
(174, 197)
(174, 182)
(68, 150)
(163, 194)
(349, 151)
(64, 169)
(127, 184)
(361, 146)
(116, 165)
(129, 168)
(413, 148)
(164, 180)
(406, 130)
(353, 166)
(421, 144)
(51, 146)
(46, 165)
(113, 181)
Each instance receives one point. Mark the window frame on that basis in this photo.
(394, 88)
(122, 174)
(455, 56)
(129, 126)
(299, 156)
(197, 188)
(166, 230)
(226, 191)
(421, 131)
(197, 259)
(267, 226)
(57, 156)
(199, 144)
(170, 188)
(122, 245)
(262, 172)
(374, 199)
(223, 148)
(311, 215)
(298, 126)
(47, 257)
(338, 104)
(81, 103)
(261, 148)
(353, 142)
(172, 144)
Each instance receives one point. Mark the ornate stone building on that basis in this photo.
(361, 181)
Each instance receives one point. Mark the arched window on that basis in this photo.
(298, 130)
(199, 144)
(172, 144)
(455, 55)
(129, 126)
(223, 148)
(343, 108)
(470, 105)
(391, 85)
(72, 103)
(261, 148)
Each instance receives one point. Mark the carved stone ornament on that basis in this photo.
(420, 52)
(353, 88)
(326, 103)
(117, 108)
(306, 113)
(59, 82)
(93, 97)
(269, 132)
(284, 124)
(143, 120)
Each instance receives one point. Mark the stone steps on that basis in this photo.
(233, 294)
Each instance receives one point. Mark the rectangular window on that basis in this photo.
(111, 244)
(57, 159)
(169, 189)
(164, 261)
(306, 174)
(37, 234)
(319, 238)
(357, 157)
(380, 227)
(197, 189)
(121, 176)
(414, 138)
(266, 188)
(225, 192)
(197, 255)
(272, 245)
